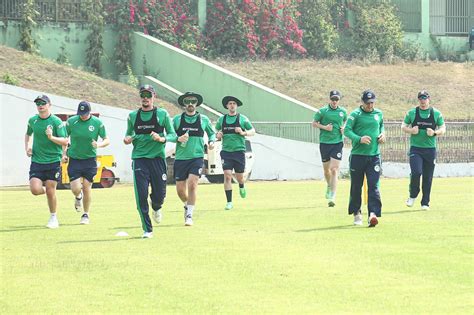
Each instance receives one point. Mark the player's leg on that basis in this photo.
(416, 168)
(325, 158)
(227, 167)
(374, 201)
(334, 163)
(357, 164)
(36, 179)
(192, 184)
(428, 171)
(158, 187)
(88, 173)
(141, 181)
(52, 203)
(75, 181)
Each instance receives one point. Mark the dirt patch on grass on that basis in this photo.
(36, 73)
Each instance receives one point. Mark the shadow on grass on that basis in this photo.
(155, 226)
(104, 240)
(31, 227)
(329, 228)
(402, 212)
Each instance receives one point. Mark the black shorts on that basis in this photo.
(233, 161)
(49, 171)
(329, 151)
(182, 168)
(86, 168)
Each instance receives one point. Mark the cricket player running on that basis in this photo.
(44, 141)
(84, 131)
(190, 127)
(366, 130)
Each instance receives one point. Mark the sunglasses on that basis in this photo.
(334, 99)
(423, 97)
(146, 94)
(190, 101)
(40, 103)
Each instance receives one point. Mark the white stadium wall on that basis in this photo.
(275, 158)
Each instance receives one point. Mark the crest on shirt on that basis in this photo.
(341, 114)
(376, 117)
(91, 128)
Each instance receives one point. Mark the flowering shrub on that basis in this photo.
(260, 28)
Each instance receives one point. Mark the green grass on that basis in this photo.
(281, 250)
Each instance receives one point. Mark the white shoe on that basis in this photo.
(358, 219)
(53, 222)
(84, 219)
(78, 203)
(410, 202)
(425, 207)
(147, 235)
(188, 220)
(156, 215)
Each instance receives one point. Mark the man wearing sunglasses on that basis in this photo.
(148, 129)
(190, 127)
(423, 123)
(366, 130)
(330, 119)
(84, 131)
(233, 128)
(45, 152)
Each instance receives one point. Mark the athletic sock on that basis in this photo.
(190, 209)
(241, 185)
(228, 195)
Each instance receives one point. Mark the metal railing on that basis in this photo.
(451, 17)
(456, 146)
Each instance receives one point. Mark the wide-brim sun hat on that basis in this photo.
(229, 98)
(190, 94)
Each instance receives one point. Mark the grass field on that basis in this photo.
(279, 251)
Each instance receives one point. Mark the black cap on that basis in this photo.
(42, 98)
(147, 87)
(335, 93)
(227, 99)
(84, 108)
(368, 96)
(190, 94)
(423, 93)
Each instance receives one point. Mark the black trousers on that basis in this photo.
(369, 166)
(422, 163)
(149, 172)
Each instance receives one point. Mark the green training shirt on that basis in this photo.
(422, 140)
(194, 147)
(336, 117)
(81, 134)
(234, 142)
(361, 123)
(143, 144)
(46, 151)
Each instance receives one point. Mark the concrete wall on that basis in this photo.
(51, 36)
(186, 72)
(16, 107)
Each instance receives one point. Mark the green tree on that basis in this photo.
(28, 16)
(94, 12)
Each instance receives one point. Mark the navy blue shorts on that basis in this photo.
(233, 161)
(329, 151)
(86, 168)
(50, 171)
(182, 168)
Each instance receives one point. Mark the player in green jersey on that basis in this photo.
(366, 130)
(423, 123)
(232, 130)
(190, 127)
(330, 119)
(148, 129)
(49, 136)
(84, 131)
